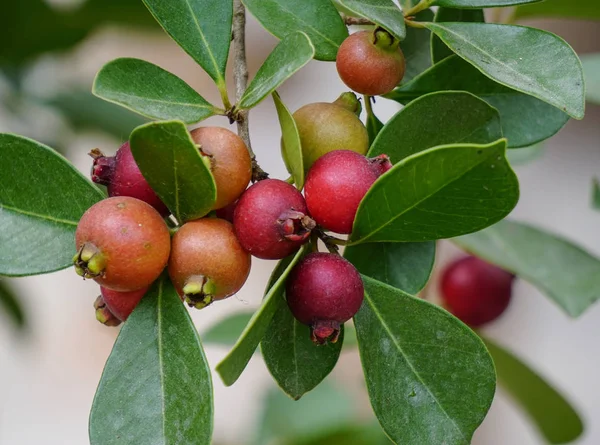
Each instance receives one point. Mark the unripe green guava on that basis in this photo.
(325, 127)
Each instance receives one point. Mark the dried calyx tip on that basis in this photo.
(322, 332)
(103, 313)
(198, 291)
(102, 168)
(296, 226)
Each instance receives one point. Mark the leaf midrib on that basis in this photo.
(150, 99)
(409, 363)
(517, 73)
(39, 215)
(414, 205)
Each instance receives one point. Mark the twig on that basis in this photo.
(356, 21)
(240, 76)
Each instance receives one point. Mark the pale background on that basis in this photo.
(48, 378)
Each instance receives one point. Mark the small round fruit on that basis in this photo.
(325, 127)
(103, 314)
(230, 162)
(122, 304)
(226, 212)
(324, 291)
(271, 220)
(122, 243)
(122, 176)
(337, 183)
(207, 262)
(371, 63)
(476, 292)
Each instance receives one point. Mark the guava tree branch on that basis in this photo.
(240, 76)
(356, 20)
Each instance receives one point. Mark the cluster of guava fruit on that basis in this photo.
(124, 242)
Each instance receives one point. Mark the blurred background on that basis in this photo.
(52, 350)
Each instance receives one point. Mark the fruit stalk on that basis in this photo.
(240, 76)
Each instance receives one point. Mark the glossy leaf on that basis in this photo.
(406, 266)
(596, 194)
(468, 4)
(580, 9)
(516, 56)
(318, 19)
(446, 117)
(556, 419)
(430, 378)
(201, 27)
(291, 145)
(150, 91)
(439, 50)
(42, 198)
(293, 52)
(591, 68)
(383, 13)
(226, 331)
(232, 366)
(173, 166)
(294, 361)
(565, 272)
(438, 193)
(525, 119)
(10, 305)
(417, 47)
(156, 387)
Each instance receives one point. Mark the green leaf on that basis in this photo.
(374, 125)
(406, 266)
(525, 119)
(201, 27)
(42, 198)
(550, 411)
(446, 117)
(565, 272)
(291, 142)
(470, 4)
(294, 361)
(580, 9)
(293, 52)
(517, 56)
(596, 194)
(591, 68)
(173, 166)
(11, 306)
(417, 47)
(227, 331)
(150, 91)
(156, 387)
(439, 50)
(317, 18)
(437, 194)
(232, 366)
(430, 378)
(351, 434)
(383, 13)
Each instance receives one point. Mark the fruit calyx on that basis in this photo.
(296, 226)
(103, 167)
(103, 313)
(89, 261)
(324, 331)
(198, 291)
(380, 164)
(350, 102)
(383, 40)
